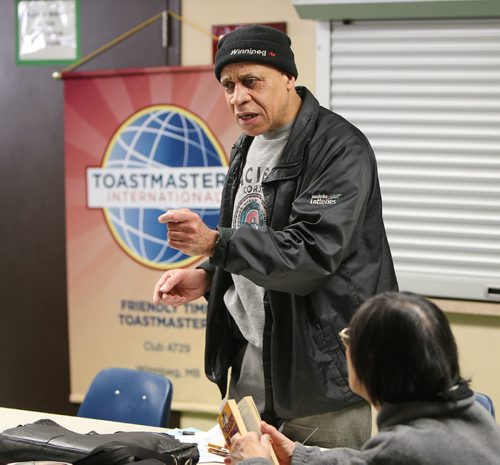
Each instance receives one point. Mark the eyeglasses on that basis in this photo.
(344, 336)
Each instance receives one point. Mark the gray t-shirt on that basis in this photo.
(244, 299)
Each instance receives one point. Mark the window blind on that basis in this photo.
(427, 95)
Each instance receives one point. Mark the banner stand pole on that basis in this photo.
(90, 56)
(58, 75)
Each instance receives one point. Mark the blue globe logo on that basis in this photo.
(155, 138)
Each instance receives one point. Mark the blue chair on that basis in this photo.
(486, 402)
(128, 396)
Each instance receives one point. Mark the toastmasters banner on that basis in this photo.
(137, 143)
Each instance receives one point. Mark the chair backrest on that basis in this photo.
(128, 396)
(486, 402)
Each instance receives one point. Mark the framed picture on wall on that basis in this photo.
(47, 31)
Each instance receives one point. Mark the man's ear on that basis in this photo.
(290, 81)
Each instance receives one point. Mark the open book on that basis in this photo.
(240, 417)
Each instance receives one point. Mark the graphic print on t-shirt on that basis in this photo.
(250, 210)
(250, 207)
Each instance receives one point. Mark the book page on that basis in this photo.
(250, 414)
(251, 417)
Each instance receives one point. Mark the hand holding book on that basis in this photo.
(250, 445)
(282, 446)
(242, 429)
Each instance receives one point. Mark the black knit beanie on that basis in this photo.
(259, 44)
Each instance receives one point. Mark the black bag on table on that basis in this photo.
(47, 440)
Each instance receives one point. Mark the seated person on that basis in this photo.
(403, 359)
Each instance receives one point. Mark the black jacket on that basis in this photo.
(323, 251)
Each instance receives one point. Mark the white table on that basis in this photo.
(10, 418)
